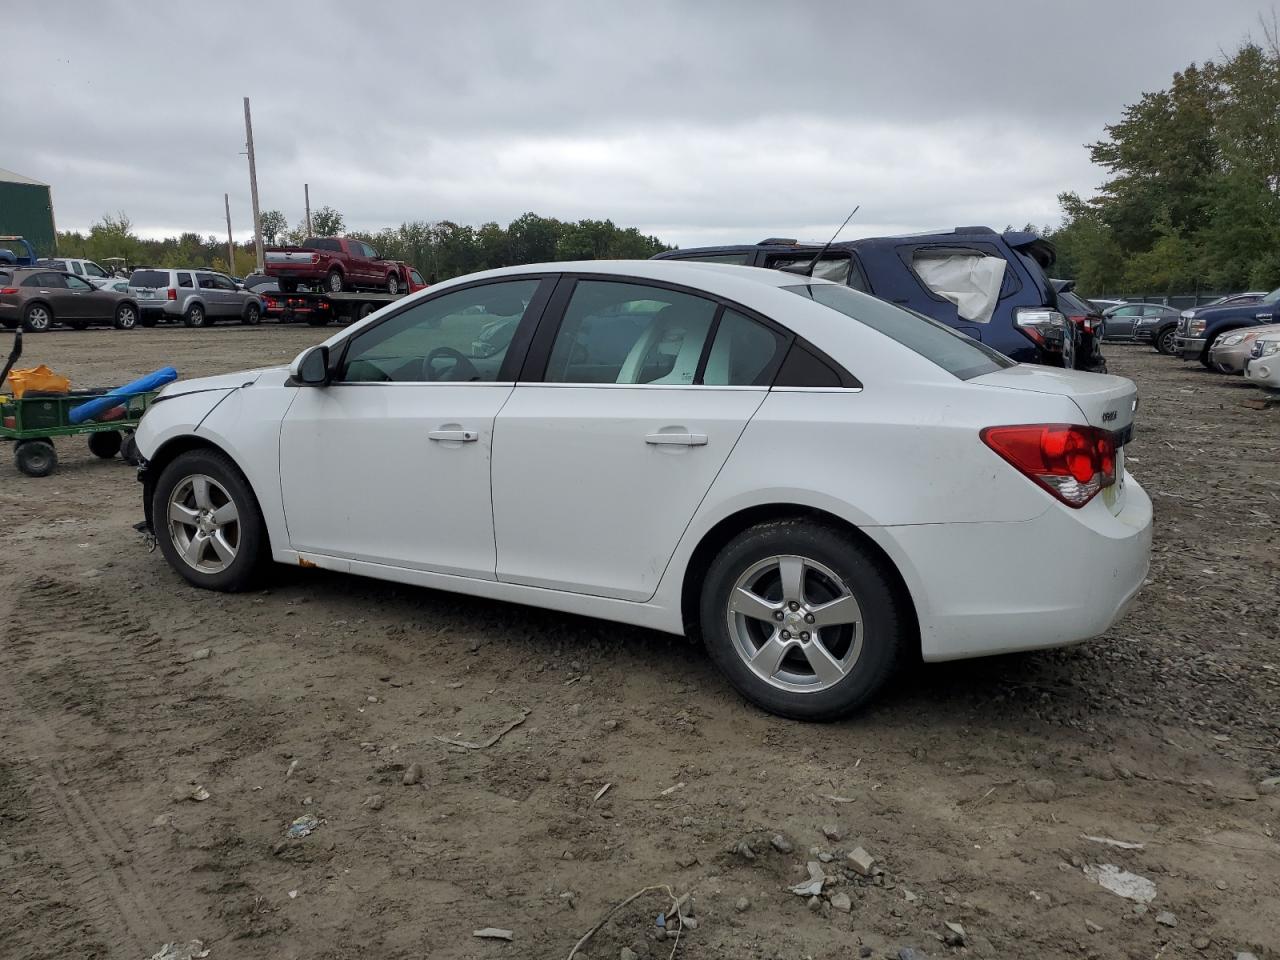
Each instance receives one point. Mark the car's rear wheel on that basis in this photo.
(195, 316)
(801, 619)
(1165, 341)
(37, 318)
(147, 321)
(333, 282)
(252, 315)
(393, 284)
(126, 316)
(207, 521)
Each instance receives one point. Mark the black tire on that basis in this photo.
(37, 318)
(288, 286)
(36, 458)
(129, 451)
(365, 310)
(195, 316)
(318, 319)
(147, 321)
(393, 284)
(333, 282)
(1164, 340)
(105, 444)
(126, 317)
(242, 572)
(884, 630)
(252, 315)
(1204, 360)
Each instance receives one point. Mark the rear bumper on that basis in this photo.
(1190, 348)
(991, 588)
(158, 308)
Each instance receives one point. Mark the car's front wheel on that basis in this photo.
(207, 521)
(802, 619)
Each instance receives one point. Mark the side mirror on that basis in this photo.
(311, 368)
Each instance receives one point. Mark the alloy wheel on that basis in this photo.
(204, 523)
(795, 623)
(38, 318)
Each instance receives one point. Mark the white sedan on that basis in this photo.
(1263, 365)
(815, 482)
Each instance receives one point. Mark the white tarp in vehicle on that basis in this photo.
(969, 281)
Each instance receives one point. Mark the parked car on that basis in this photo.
(990, 286)
(1087, 319)
(336, 264)
(85, 269)
(1200, 327)
(1263, 367)
(254, 281)
(777, 490)
(1230, 351)
(36, 298)
(1152, 323)
(196, 297)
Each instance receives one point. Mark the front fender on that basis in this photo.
(171, 417)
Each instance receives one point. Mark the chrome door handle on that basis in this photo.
(678, 439)
(457, 436)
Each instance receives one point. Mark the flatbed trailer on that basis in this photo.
(319, 309)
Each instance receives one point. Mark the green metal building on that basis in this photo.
(26, 210)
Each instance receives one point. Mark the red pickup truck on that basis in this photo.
(336, 264)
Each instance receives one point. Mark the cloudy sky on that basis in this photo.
(700, 121)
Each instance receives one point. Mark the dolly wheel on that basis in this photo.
(36, 458)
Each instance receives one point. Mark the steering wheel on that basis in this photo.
(462, 365)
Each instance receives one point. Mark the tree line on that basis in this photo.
(1192, 197)
(439, 249)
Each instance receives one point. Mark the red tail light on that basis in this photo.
(1071, 462)
(171, 294)
(9, 291)
(271, 302)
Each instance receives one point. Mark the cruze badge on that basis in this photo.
(1109, 415)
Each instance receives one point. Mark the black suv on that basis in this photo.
(991, 286)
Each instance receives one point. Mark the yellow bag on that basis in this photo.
(38, 378)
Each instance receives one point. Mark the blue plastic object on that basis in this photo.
(99, 405)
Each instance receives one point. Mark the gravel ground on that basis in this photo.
(125, 697)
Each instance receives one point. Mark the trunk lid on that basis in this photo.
(1107, 402)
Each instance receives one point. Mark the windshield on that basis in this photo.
(961, 356)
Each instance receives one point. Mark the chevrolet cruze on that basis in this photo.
(816, 483)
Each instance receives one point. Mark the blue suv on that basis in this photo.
(991, 286)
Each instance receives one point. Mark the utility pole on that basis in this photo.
(253, 184)
(231, 244)
(306, 193)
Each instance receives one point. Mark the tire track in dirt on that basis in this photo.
(62, 632)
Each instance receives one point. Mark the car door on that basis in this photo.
(55, 287)
(214, 295)
(602, 456)
(94, 304)
(390, 463)
(1120, 325)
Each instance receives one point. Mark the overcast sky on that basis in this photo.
(699, 121)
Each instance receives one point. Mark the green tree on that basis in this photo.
(326, 222)
(273, 226)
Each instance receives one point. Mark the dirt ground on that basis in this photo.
(975, 786)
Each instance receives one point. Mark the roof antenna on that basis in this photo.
(808, 269)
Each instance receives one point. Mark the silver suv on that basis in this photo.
(196, 297)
